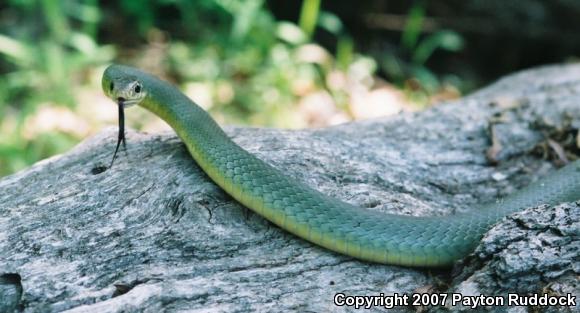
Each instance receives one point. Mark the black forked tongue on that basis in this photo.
(121, 136)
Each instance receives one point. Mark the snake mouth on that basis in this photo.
(127, 103)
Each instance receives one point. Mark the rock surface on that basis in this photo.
(155, 234)
(532, 252)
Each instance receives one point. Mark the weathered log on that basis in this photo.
(155, 234)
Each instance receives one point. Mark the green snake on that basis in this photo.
(368, 235)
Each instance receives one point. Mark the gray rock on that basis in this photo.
(535, 251)
(155, 234)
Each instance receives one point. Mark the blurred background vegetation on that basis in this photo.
(293, 64)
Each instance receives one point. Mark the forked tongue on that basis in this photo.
(121, 136)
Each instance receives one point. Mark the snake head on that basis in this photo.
(122, 87)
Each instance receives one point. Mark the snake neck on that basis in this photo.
(197, 129)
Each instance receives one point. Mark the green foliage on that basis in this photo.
(44, 59)
(231, 56)
(309, 16)
(46, 56)
(258, 66)
(233, 50)
(410, 61)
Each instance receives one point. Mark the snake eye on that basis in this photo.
(111, 86)
(137, 88)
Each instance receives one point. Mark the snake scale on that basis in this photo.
(292, 205)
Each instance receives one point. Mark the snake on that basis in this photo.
(362, 233)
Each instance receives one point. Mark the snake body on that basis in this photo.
(301, 210)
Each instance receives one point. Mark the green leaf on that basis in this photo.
(414, 26)
(309, 16)
(18, 52)
(445, 40)
(331, 23)
(291, 33)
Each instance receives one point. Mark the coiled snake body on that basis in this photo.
(309, 214)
